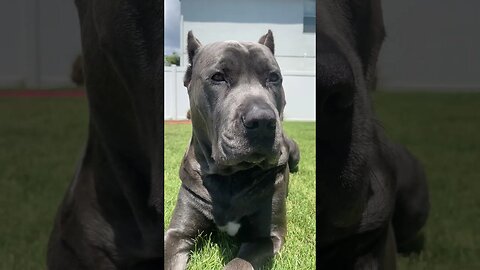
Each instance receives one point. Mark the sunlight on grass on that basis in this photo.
(41, 141)
(299, 249)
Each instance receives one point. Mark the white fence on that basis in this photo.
(299, 93)
(39, 42)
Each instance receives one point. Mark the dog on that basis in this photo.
(111, 216)
(76, 75)
(235, 171)
(372, 197)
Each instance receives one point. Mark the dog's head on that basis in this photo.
(349, 37)
(237, 101)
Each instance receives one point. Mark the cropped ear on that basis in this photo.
(367, 17)
(192, 47)
(267, 40)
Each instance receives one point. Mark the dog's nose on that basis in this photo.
(260, 120)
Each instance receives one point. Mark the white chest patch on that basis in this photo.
(231, 228)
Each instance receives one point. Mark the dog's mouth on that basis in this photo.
(236, 147)
(256, 160)
(230, 158)
(238, 165)
(245, 156)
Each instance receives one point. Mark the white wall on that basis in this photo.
(432, 45)
(248, 20)
(16, 29)
(299, 89)
(176, 103)
(40, 40)
(429, 44)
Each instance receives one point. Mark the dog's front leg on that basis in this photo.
(293, 154)
(252, 255)
(186, 223)
(177, 246)
(382, 255)
(265, 234)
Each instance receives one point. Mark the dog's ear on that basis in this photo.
(192, 47)
(367, 18)
(267, 40)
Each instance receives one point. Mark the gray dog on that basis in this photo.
(235, 171)
(112, 214)
(372, 193)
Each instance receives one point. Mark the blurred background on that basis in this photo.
(428, 98)
(430, 46)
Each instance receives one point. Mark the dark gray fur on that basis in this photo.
(229, 172)
(372, 194)
(111, 216)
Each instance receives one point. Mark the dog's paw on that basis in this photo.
(294, 169)
(238, 264)
(293, 155)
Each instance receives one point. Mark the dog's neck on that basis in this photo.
(202, 153)
(121, 153)
(341, 165)
(197, 167)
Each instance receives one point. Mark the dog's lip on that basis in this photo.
(256, 158)
(248, 160)
(253, 159)
(229, 153)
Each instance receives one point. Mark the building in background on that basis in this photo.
(428, 46)
(293, 25)
(291, 21)
(431, 45)
(39, 43)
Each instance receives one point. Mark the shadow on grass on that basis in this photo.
(414, 246)
(227, 246)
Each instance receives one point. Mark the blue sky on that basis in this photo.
(172, 26)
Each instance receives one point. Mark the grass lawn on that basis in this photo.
(41, 140)
(299, 249)
(443, 131)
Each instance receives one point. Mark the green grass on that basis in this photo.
(299, 249)
(41, 140)
(443, 131)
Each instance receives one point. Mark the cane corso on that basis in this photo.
(76, 74)
(372, 193)
(235, 171)
(111, 216)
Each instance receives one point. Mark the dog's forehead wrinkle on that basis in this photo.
(219, 47)
(234, 43)
(239, 46)
(237, 55)
(220, 56)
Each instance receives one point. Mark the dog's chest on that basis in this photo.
(235, 199)
(231, 228)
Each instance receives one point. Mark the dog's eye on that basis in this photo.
(273, 77)
(218, 77)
